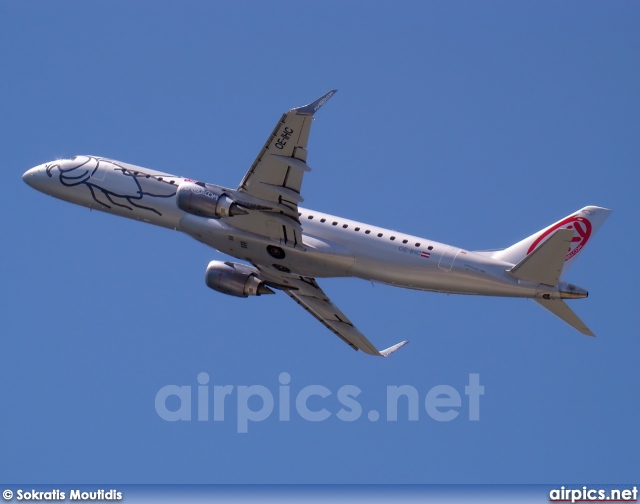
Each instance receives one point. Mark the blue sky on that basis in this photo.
(471, 123)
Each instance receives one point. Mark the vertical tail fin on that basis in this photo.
(584, 223)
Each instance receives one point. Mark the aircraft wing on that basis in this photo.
(276, 176)
(307, 293)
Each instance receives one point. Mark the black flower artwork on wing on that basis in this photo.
(91, 172)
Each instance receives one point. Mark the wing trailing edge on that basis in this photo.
(307, 293)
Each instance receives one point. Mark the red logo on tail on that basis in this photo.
(582, 228)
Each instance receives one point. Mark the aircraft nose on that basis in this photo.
(29, 174)
(33, 176)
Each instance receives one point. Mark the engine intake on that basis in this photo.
(206, 201)
(235, 279)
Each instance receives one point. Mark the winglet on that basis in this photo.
(312, 108)
(387, 352)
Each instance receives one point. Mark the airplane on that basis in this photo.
(286, 247)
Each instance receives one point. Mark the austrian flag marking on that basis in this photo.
(426, 255)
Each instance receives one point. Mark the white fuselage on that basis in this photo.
(332, 246)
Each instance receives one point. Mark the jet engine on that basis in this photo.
(235, 279)
(206, 201)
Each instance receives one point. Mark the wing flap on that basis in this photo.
(322, 308)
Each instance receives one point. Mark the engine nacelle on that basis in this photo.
(235, 279)
(206, 201)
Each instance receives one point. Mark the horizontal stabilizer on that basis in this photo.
(560, 309)
(544, 264)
